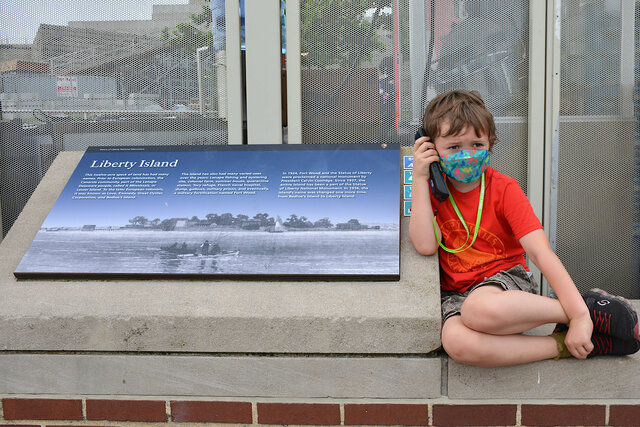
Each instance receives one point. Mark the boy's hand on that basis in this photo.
(578, 339)
(424, 153)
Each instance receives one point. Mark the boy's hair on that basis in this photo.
(460, 108)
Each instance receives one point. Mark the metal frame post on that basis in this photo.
(294, 73)
(234, 72)
(536, 115)
(552, 122)
(199, 52)
(263, 55)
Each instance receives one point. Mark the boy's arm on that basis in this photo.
(421, 221)
(578, 339)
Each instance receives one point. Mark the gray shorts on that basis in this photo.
(516, 278)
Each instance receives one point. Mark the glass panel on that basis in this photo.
(364, 68)
(115, 72)
(598, 173)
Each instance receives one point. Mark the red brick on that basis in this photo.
(42, 409)
(387, 414)
(474, 415)
(211, 412)
(624, 415)
(127, 410)
(299, 413)
(566, 415)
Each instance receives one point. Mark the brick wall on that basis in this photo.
(81, 411)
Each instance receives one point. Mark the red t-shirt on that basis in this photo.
(506, 217)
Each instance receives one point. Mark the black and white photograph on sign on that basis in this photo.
(316, 211)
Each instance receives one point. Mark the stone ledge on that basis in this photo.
(175, 375)
(605, 377)
(213, 316)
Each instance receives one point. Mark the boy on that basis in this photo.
(483, 231)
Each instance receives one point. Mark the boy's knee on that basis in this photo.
(481, 322)
(461, 347)
(477, 318)
(479, 315)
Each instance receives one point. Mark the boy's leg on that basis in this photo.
(471, 347)
(491, 309)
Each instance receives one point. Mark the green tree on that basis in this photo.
(337, 32)
(333, 32)
(191, 35)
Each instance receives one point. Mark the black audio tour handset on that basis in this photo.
(436, 179)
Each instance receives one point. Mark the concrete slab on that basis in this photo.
(605, 377)
(597, 378)
(214, 316)
(295, 377)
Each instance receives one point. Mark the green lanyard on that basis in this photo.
(464, 246)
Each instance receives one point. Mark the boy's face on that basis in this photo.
(466, 139)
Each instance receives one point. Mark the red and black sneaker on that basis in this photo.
(560, 327)
(612, 315)
(609, 345)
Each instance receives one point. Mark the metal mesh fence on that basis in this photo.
(368, 69)
(127, 82)
(597, 237)
(636, 152)
(365, 76)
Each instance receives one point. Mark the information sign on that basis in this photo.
(311, 211)
(67, 86)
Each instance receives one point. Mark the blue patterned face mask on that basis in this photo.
(465, 165)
